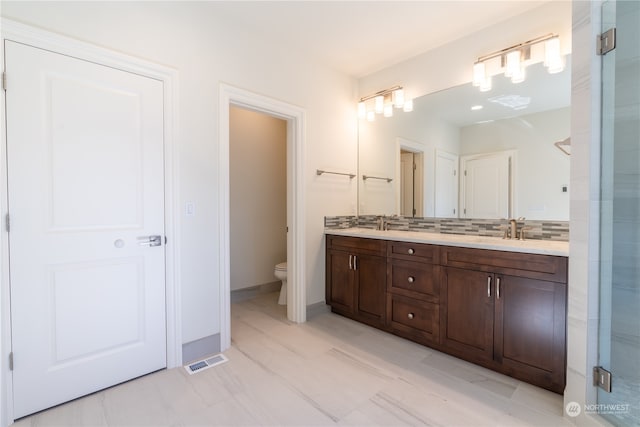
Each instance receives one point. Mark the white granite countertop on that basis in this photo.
(544, 247)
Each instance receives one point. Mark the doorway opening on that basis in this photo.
(295, 121)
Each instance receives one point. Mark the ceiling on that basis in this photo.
(362, 37)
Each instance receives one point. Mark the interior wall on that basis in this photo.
(257, 196)
(532, 136)
(205, 48)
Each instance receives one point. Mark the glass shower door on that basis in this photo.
(619, 331)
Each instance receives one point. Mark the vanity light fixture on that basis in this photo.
(515, 58)
(383, 102)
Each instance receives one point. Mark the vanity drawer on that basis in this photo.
(417, 320)
(413, 279)
(414, 252)
(357, 244)
(533, 266)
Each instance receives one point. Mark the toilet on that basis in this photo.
(281, 274)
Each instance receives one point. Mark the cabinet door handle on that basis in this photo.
(350, 262)
(411, 279)
(498, 288)
(410, 251)
(489, 287)
(355, 262)
(410, 316)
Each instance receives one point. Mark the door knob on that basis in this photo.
(150, 241)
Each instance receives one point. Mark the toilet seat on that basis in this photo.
(282, 266)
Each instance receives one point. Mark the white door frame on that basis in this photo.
(67, 46)
(416, 148)
(295, 118)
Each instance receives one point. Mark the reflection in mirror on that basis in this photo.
(476, 154)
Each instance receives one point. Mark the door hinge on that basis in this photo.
(4, 80)
(454, 211)
(414, 211)
(7, 223)
(11, 361)
(465, 211)
(454, 172)
(602, 378)
(606, 42)
(465, 173)
(415, 167)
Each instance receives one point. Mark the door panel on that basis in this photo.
(86, 188)
(446, 203)
(487, 182)
(468, 314)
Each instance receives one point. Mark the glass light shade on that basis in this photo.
(388, 110)
(485, 86)
(371, 116)
(408, 106)
(398, 98)
(479, 73)
(551, 51)
(378, 104)
(362, 110)
(556, 67)
(513, 64)
(518, 77)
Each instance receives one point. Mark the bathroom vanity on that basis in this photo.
(497, 303)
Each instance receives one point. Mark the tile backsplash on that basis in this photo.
(534, 230)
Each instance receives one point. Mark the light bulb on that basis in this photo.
(398, 98)
(479, 73)
(408, 106)
(362, 110)
(379, 104)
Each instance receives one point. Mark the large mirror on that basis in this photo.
(470, 154)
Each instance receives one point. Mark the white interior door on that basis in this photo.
(487, 184)
(85, 173)
(446, 185)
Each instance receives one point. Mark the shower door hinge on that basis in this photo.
(11, 361)
(606, 42)
(602, 378)
(4, 80)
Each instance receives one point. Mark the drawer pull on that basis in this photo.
(411, 279)
(489, 287)
(410, 251)
(410, 315)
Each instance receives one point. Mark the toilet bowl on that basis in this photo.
(281, 274)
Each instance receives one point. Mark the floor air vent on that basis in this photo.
(201, 365)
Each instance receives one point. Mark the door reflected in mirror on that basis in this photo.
(482, 154)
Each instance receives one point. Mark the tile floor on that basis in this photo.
(328, 371)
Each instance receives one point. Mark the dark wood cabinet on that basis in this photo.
(530, 330)
(502, 310)
(507, 310)
(356, 278)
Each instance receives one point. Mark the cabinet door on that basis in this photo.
(530, 329)
(371, 288)
(467, 314)
(340, 281)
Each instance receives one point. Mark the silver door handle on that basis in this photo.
(498, 288)
(350, 262)
(489, 286)
(150, 241)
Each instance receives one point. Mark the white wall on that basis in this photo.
(206, 49)
(257, 196)
(541, 169)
